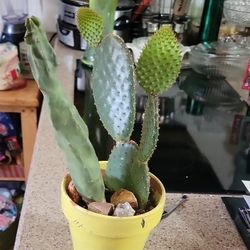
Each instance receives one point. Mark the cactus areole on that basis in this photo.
(113, 84)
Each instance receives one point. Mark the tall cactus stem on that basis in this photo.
(71, 131)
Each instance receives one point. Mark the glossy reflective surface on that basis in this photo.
(195, 152)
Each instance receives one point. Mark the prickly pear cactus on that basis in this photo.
(90, 25)
(113, 87)
(71, 131)
(124, 170)
(159, 63)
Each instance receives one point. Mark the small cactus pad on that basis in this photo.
(114, 87)
(139, 182)
(120, 160)
(160, 62)
(90, 25)
(124, 171)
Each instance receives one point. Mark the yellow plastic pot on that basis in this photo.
(92, 231)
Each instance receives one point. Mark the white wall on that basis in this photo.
(47, 11)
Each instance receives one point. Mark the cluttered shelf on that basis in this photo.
(12, 172)
(26, 102)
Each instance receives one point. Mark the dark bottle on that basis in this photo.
(211, 20)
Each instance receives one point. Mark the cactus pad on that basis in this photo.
(114, 87)
(90, 25)
(159, 63)
(71, 131)
(124, 171)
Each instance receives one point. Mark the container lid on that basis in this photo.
(14, 28)
(221, 49)
(125, 4)
(152, 26)
(179, 27)
(76, 2)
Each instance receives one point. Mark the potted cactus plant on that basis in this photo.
(113, 83)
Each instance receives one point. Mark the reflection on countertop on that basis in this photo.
(194, 152)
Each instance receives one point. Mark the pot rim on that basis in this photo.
(161, 202)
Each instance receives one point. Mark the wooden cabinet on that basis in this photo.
(26, 102)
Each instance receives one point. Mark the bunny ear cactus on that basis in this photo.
(113, 83)
(71, 131)
(113, 87)
(114, 92)
(96, 21)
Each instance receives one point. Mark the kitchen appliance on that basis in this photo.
(162, 7)
(67, 31)
(69, 35)
(66, 23)
(68, 9)
(13, 15)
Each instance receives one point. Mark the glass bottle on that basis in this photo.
(211, 20)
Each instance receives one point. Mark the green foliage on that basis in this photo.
(159, 63)
(138, 181)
